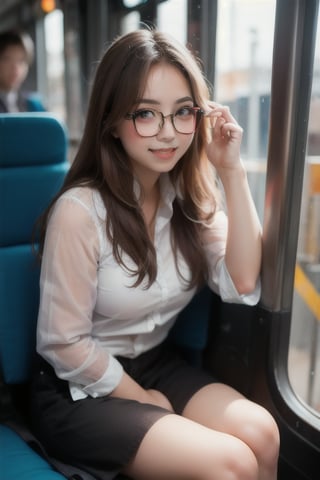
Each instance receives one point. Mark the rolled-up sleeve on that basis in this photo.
(68, 290)
(220, 281)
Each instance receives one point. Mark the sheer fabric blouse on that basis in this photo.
(89, 313)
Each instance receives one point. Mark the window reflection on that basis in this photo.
(304, 353)
(243, 78)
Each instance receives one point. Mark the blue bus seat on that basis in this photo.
(20, 462)
(190, 331)
(33, 164)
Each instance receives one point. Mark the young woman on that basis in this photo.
(137, 228)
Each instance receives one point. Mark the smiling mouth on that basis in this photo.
(163, 151)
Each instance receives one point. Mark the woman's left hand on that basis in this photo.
(223, 149)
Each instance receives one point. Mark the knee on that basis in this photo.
(264, 439)
(237, 462)
(241, 463)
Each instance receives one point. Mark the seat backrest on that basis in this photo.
(33, 164)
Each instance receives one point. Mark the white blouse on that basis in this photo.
(89, 313)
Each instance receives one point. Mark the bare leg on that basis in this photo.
(223, 409)
(176, 448)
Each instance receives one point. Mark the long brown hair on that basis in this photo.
(102, 163)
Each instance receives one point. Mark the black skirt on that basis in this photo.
(102, 435)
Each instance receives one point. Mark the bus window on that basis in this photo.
(55, 96)
(304, 351)
(243, 78)
(172, 18)
(130, 22)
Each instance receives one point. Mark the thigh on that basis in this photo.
(176, 448)
(222, 408)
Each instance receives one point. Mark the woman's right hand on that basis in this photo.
(129, 388)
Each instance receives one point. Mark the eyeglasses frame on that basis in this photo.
(132, 116)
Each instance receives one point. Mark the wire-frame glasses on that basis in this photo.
(148, 122)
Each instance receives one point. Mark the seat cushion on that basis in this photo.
(19, 462)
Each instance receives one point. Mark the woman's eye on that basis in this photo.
(144, 115)
(185, 112)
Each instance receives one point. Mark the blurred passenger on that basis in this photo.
(16, 56)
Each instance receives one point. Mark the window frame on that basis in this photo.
(293, 57)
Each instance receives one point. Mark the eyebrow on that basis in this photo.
(155, 102)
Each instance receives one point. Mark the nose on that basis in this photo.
(167, 130)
